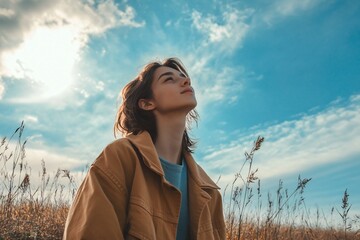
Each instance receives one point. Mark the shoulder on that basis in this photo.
(118, 146)
(118, 153)
(116, 164)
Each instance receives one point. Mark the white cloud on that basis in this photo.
(53, 160)
(219, 82)
(30, 119)
(100, 86)
(2, 90)
(295, 146)
(283, 8)
(5, 12)
(214, 85)
(228, 32)
(290, 7)
(41, 41)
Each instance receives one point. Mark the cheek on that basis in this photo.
(164, 94)
(161, 97)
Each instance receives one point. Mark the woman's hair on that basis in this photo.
(131, 119)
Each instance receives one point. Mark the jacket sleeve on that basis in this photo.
(99, 208)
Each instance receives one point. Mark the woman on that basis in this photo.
(147, 185)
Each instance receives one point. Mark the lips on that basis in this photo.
(187, 90)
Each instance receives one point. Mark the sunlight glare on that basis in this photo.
(47, 58)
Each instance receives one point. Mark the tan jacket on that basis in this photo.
(125, 196)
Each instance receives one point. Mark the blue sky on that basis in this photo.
(284, 69)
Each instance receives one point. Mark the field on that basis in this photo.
(35, 205)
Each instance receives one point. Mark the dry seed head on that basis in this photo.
(43, 167)
(252, 178)
(66, 173)
(258, 143)
(25, 182)
(302, 183)
(259, 188)
(345, 200)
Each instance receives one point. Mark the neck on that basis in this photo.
(170, 131)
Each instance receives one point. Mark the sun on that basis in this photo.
(46, 58)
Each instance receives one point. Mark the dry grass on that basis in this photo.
(30, 207)
(33, 220)
(36, 208)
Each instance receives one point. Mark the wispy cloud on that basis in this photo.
(295, 146)
(31, 119)
(227, 31)
(283, 8)
(219, 36)
(53, 161)
(215, 84)
(220, 82)
(41, 41)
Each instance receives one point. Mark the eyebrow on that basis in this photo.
(165, 74)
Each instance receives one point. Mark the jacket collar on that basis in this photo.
(144, 144)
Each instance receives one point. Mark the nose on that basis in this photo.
(186, 81)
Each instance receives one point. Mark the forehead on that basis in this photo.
(163, 69)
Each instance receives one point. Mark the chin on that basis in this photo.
(192, 106)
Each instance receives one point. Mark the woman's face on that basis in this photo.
(172, 91)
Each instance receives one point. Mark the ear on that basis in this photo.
(146, 104)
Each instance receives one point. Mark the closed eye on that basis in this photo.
(168, 79)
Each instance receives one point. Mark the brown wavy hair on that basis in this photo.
(131, 119)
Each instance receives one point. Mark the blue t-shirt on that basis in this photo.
(177, 176)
